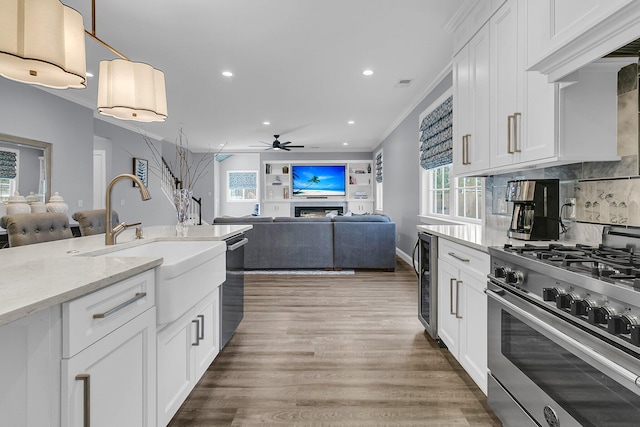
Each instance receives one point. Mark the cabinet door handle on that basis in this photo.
(458, 299)
(451, 311)
(464, 162)
(201, 329)
(516, 140)
(197, 322)
(86, 400)
(466, 142)
(509, 126)
(108, 313)
(458, 257)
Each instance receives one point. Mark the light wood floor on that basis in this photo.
(334, 351)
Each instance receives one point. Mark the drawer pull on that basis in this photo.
(201, 328)
(459, 258)
(86, 400)
(197, 322)
(108, 313)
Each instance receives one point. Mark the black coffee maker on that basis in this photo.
(536, 209)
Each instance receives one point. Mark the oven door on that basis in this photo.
(559, 374)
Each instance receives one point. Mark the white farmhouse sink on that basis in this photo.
(190, 271)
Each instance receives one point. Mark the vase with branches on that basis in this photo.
(185, 172)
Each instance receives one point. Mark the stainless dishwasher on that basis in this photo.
(232, 290)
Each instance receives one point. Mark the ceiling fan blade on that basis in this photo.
(285, 143)
(285, 148)
(295, 146)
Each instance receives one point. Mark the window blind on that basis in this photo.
(240, 180)
(436, 136)
(379, 167)
(7, 164)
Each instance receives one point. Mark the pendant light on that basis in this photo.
(42, 43)
(129, 90)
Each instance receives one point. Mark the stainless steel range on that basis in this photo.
(564, 333)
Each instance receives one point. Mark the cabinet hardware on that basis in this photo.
(465, 149)
(201, 329)
(86, 400)
(108, 313)
(451, 311)
(459, 258)
(516, 140)
(458, 299)
(197, 322)
(509, 126)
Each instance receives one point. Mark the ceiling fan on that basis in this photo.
(277, 145)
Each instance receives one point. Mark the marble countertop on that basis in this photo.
(477, 236)
(36, 277)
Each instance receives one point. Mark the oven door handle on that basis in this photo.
(632, 380)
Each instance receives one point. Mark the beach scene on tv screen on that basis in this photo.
(322, 180)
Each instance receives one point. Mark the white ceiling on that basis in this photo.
(297, 64)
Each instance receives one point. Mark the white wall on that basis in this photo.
(401, 171)
(28, 112)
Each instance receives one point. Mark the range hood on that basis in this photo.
(628, 107)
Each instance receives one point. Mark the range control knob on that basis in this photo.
(599, 315)
(621, 324)
(551, 294)
(501, 272)
(580, 307)
(515, 277)
(564, 301)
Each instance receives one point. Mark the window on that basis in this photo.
(242, 186)
(9, 163)
(457, 198)
(378, 184)
(469, 197)
(439, 190)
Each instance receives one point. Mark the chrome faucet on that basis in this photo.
(112, 233)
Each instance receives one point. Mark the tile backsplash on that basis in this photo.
(604, 193)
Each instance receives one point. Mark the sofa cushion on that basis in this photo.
(241, 220)
(301, 219)
(362, 218)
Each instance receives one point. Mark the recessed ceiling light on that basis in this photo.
(351, 122)
(227, 73)
(368, 72)
(266, 123)
(88, 74)
(345, 143)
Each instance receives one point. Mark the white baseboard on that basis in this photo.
(405, 257)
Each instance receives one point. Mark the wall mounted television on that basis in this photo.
(318, 180)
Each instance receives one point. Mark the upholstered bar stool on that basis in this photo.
(94, 222)
(28, 228)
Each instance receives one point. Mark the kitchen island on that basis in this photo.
(78, 322)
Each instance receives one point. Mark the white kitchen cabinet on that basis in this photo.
(112, 379)
(462, 307)
(276, 209)
(471, 105)
(186, 348)
(570, 34)
(360, 207)
(30, 370)
(532, 123)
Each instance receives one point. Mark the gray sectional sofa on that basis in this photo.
(358, 241)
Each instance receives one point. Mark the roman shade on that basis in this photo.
(379, 167)
(7, 164)
(436, 136)
(239, 180)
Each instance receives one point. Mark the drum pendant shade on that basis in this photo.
(42, 43)
(131, 91)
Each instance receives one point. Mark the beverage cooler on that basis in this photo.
(426, 267)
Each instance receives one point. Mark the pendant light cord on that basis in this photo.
(92, 33)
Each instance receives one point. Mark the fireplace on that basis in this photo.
(317, 211)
